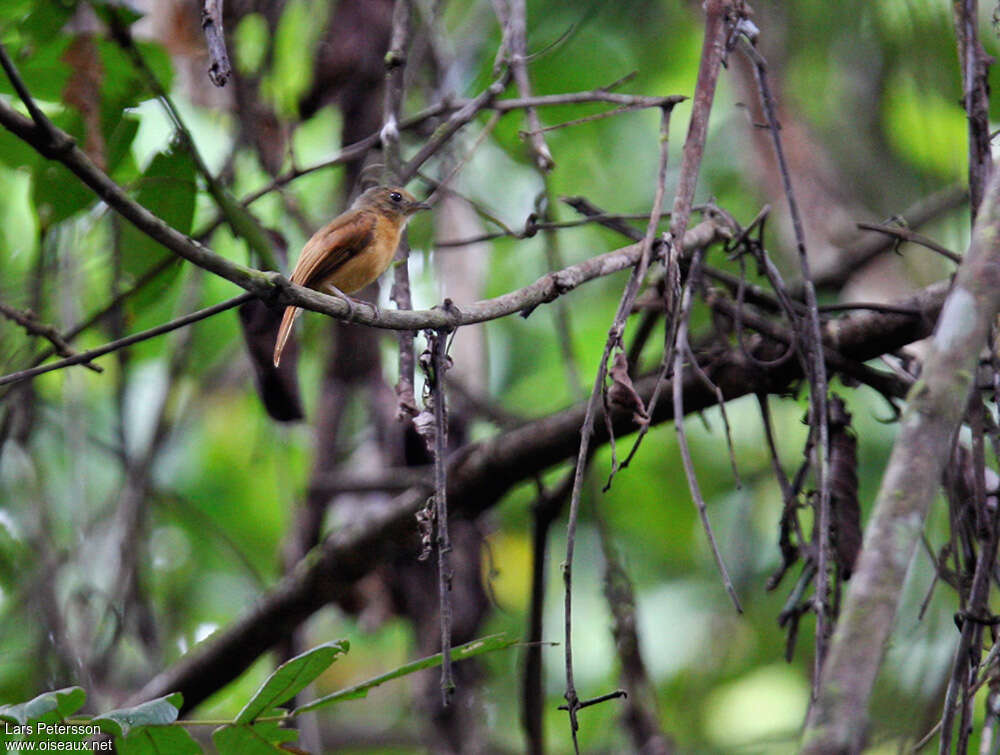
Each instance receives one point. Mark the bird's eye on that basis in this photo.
(396, 197)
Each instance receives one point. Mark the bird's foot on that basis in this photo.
(347, 300)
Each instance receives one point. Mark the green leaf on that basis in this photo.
(56, 192)
(291, 678)
(119, 140)
(167, 189)
(250, 43)
(460, 653)
(40, 64)
(162, 710)
(63, 702)
(126, 14)
(15, 152)
(158, 740)
(266, 737)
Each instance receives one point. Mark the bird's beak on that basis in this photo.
(418, 206)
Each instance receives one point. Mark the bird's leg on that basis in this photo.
(347, 299)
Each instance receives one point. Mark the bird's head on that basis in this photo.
(392, 201)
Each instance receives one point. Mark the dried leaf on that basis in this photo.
(622, 394)
(845, 508)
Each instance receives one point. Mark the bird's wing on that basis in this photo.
(331, 246)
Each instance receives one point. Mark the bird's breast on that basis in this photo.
(364, 267)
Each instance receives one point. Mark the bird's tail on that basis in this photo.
(284, 331)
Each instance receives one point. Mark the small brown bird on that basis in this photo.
(352, 250)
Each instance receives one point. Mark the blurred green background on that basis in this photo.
(875, 88)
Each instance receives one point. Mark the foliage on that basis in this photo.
(153, 726)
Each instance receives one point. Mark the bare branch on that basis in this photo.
(211, 23)
(517, 21)
(474, 485)
(587, 428)
(975, 64)
(837, 720)
(819, 413)
(86, 356)
(30, 323)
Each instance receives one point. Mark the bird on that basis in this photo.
(352, 250)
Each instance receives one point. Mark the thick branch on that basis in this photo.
(273, 286)
(937, 401)
(480, 474)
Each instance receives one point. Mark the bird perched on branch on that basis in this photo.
(352, 250)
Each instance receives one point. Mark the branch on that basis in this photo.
(271, 286)
(975, 66)
(478, 477)
(29, 321)
(400, 293)
(613, 340)
(159, 330)
(517, 21)
(812, 353)
(833, 277)
(60, 146)
(912, 478)
(211, 23)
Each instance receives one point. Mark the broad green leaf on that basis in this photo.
(260, 738)
(162, 710)
(41, 67)
(159, 62)
(15, 152)
(460, 653)
(121, 84)
(45, 21)
(14, 10)
(56, 192)
(158, 740)
(63, 702)
(291, 678)
(167, 189)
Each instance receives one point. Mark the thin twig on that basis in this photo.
(677, 301)
(56, 139)
(361, 147)
(455, 122)
(817, 372)
(242, 222)
(544, 512)
(30, 323)
(517, 53)
(613, 340)
(367, 541)
(869, 246)
(680, 349)
(906, 234)
(141, 282)
(145, 335)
